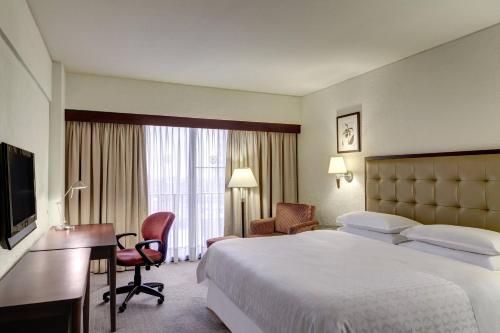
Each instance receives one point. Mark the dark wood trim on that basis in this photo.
(142, 119)
(441, 154)
(359, 132)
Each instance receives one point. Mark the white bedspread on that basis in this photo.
(328, 281)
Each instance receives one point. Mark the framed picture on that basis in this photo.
(348, 133)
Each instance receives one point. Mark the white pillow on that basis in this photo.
(489, 262)
(388, 238)
(386, 223)
(455, 237)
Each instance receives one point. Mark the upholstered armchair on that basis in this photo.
(290, 219)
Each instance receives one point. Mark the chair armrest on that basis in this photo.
(120, 246)
(300, 227)
(262, 226)
(145, 244)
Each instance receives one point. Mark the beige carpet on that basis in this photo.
(183, 311)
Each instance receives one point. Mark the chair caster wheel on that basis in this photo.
(160, 300)
(122, 308)
(130, 283)
(105, 298)
(160, 288)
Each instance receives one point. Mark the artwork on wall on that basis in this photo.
(348, 133)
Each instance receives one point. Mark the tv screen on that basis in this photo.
(17, 194)
(22, 185)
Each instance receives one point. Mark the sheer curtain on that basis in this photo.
(186, 175)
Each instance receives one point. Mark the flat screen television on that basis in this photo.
(17, 194)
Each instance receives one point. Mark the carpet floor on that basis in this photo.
(184, 309)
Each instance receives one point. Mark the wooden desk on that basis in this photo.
(45, 291)
(101, 240)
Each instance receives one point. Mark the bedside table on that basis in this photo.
(326, 227)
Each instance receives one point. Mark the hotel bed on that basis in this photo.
(330, 281)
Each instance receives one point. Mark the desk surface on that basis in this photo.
(89, 235)
(99, 238)
(44, 277)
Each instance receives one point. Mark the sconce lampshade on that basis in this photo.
(337, 165)
(242, 178)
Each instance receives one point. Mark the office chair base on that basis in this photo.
(135, 288)
(158, 285)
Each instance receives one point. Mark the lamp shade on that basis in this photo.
(76, 186)
(242, 178)
(79, 185)
(337, 165)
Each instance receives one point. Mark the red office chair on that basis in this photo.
(154, 230)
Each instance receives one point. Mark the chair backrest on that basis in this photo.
(157, 226)
(288, 214)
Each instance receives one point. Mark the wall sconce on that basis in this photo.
(337, 167)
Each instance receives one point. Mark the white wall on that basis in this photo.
(445, 99)
(99, 93)
(22, 34)
(25, 76)
(57, 142)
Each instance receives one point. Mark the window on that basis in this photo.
(186, 175)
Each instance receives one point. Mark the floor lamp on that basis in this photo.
(242, 178)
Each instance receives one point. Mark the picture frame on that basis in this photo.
(349, 133)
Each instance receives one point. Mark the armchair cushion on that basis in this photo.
(267, 235)
(290, 214)
(214, 240)
(301, 227)
(262, 226)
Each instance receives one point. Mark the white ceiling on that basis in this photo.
(278, 46)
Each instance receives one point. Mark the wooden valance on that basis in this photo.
(142, 119)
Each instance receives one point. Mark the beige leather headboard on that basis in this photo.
(449, 188)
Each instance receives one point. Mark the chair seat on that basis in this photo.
(130, 257)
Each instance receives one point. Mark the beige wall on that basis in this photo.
(25, 76)
(99, 93)
(444, 99)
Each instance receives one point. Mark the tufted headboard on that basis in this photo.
(460, 188)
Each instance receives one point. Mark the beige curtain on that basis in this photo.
(110, 159)
(273, 160)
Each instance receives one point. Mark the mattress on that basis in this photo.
(328, 281)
